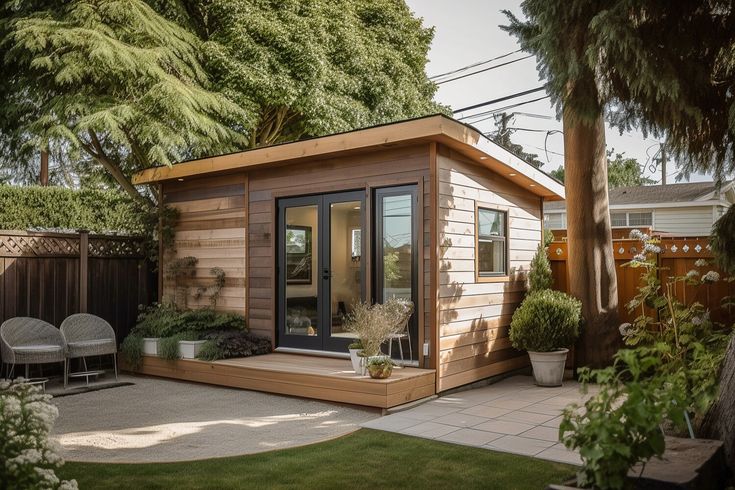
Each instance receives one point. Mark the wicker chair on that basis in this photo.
(27, 341)
(88, 335)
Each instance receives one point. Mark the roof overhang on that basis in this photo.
(653, 205)
(463, 138)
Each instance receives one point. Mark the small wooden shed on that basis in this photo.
(427, 209)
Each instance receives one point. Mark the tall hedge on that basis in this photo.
(99, 211)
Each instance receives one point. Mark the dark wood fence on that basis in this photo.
(53, 275)
(677, 257)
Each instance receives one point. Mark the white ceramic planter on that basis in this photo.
(150, 346)
(356, 360)
(188, 349)
(548, 367)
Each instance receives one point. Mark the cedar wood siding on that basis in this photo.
(211, 227)
(474, 316)
(363, 171)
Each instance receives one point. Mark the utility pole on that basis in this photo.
(663, 163)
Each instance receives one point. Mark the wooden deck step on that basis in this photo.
(320, 378)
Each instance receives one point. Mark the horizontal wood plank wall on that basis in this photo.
(211, 227)
(385, 167)
(474, 317)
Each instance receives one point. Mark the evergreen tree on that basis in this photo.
(559, 35)
(501, 136)
(539, 275)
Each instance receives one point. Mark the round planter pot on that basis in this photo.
(356, 360)
(381, 371)
(548, 367)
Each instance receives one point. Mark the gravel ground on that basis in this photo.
(158, 420)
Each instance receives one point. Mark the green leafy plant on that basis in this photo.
(132, 350)
(229, 343)
(29, 458)
(545, 321)
(357, 344)
(380, 367)
(213, 290)
(539, 276)
(620, 425)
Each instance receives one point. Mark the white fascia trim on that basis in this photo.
(651, 206)
(508, 159)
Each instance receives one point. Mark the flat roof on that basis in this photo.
(439, 128)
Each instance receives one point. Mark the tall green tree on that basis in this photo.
(115, 81)
(559, 35)
(129, 84)
(621, 171)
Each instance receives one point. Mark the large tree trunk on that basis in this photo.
(590, 262)
(719, 422)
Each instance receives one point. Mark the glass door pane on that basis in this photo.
(396, 259)
(299, 312)
(345, 258)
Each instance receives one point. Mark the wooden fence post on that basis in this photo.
(83, 269)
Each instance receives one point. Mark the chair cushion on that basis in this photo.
(37, 348)
(90, 343)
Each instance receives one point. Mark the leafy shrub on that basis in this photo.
(165, 320)
(28, 459)
(546, 320)
(539, 277)
(132, 350)
(228, 344)
(100, 211)
(168, 348)
(620, 426)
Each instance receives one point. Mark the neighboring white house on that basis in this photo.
(687, 209)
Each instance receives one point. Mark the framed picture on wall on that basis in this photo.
(298, 254)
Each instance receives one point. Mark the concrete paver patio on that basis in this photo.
(513, 415)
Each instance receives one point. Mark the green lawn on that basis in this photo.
(364, 459)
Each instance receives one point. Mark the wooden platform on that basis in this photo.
(321, 378)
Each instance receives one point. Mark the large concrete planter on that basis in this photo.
(548, 367)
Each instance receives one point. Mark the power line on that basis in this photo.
(483, 70)
(473, 65)
(501, 109)
(500, 99)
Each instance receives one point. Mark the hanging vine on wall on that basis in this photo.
(176, 271)
(212, 291)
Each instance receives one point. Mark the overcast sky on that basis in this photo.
(466, 31)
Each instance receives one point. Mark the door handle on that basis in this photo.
(326, 274)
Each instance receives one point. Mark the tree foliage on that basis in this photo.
(502, 136)
(124, 85)
(621, 171)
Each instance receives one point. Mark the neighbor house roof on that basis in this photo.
(439, 128)
(691, 193)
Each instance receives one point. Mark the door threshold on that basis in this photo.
(311, 352)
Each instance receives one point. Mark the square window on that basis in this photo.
(618, 219)
(492, 242)
(640, 219)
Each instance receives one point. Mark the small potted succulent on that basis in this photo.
(380, 367)
(546, 324)
(355, 349)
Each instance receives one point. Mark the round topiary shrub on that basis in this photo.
(547, 320)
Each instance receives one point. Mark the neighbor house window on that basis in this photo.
(492, 243)
(555, 221)
(631, 219)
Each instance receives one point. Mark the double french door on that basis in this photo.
(322, 262)
(321, 268)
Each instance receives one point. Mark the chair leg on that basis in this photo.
(390, 348)
(12, 371)
(84, 360)
(400, 347)
(66, 373)
(114, 361)
(27, 371)
(410, 350)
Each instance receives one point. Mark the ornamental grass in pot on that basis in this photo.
(546, 324)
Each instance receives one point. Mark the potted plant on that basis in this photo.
(546, 324)
(374, 324)
(380, 367)
(355, 349)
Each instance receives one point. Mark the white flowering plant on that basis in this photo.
(28, 458)
(694, 343)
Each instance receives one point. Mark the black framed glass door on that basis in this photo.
(396, 251)
(320, 268)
